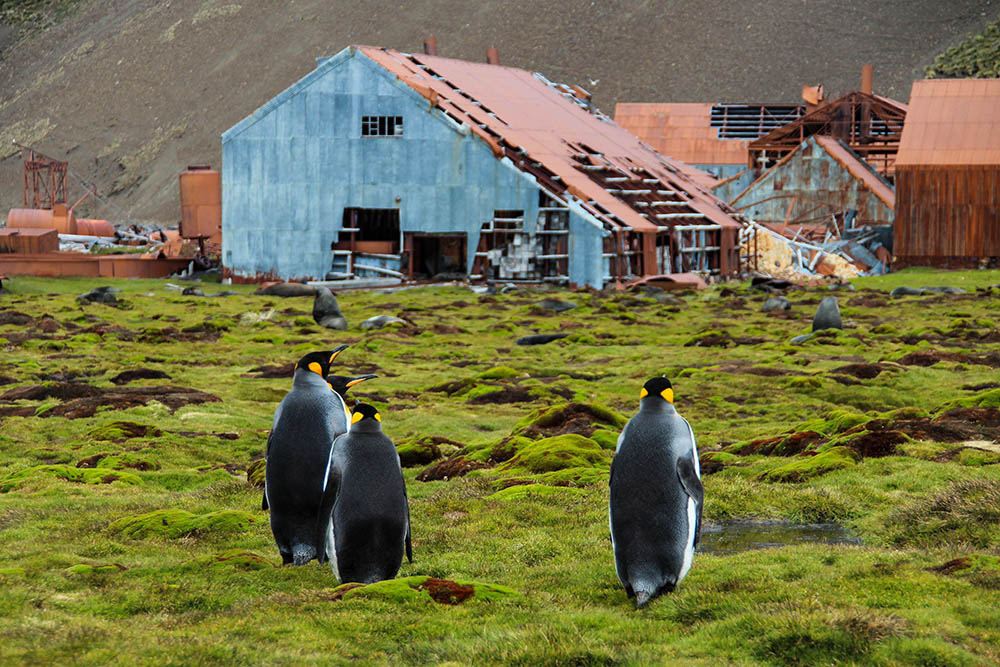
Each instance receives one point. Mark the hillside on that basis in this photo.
(131, 91)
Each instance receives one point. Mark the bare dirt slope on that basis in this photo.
(131, 91)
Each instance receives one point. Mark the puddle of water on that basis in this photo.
(730, 538)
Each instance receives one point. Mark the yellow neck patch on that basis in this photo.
(315, 368)
(668, 395)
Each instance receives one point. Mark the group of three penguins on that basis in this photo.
(335, 488)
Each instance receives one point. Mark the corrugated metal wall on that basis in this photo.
(947, 216)
(291, 168)
(816, 186)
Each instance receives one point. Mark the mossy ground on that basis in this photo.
(78, 586)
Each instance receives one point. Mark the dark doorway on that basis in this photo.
(371, 230)
(437, 255)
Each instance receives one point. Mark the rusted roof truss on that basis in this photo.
(871, 126)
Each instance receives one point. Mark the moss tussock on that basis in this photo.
(70, 474)
(174, 523)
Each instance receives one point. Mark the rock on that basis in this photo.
(378, 321)
(667, 299)
(192, 291)
(326, 310)
(104, 294)
(539, 339)
(288, 289)
(906, 291)
(556, 305)
(827, 315)
(776, 303)
(944, 289)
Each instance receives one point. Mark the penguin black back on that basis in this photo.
(365, 504)
(656, 496)
(306, 423)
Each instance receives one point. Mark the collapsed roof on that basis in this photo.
(552, 132)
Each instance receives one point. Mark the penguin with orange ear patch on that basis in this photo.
(363, 526)
(306, 422)
(656, 496)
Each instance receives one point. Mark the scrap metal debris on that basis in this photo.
(807, 252)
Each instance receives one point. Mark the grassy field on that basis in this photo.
(130, 530)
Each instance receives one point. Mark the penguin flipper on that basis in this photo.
(325, 513)
(689, 479)
(409, 546)
(267, 450)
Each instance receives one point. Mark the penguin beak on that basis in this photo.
(359, 380)
(337, 350)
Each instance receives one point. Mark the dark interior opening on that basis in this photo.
(373, 224)
(437, 254)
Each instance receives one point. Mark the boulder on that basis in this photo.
(556, 305)
(906, 291)
(776, 303)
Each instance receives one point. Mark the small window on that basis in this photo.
(381, 126)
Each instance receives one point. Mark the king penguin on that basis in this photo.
(364, 522)
(656, 496)
(306, 422)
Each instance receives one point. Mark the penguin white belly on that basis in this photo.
(692, 517)
(331, 550)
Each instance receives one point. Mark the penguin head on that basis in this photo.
(341, 383)
(319, 362)
(658, 388)
(365, 413)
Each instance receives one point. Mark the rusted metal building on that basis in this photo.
(383, 163)
(870, 125)
(821, 180)
(948, 175)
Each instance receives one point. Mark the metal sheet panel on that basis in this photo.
(952, 121)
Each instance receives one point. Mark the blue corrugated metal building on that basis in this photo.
(355, 170)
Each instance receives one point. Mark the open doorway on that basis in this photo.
(433, 255)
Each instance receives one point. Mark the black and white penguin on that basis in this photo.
(342, 383)
(306, 422)
(364, 522)
(656, 496)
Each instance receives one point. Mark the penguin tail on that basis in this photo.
(303, 553)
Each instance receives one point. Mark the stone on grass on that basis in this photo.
(555, 305)
(903, 290)
(827, 315)
(776, 303)
(326, 310)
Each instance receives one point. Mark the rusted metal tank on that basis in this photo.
(94, 227)
(201, 203)
(60, 218)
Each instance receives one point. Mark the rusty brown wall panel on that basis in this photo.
(944, 211)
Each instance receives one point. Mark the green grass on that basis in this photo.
(134, 535)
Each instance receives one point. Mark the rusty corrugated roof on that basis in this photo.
(686, 131)
(850, 161)
(952, 121)
(682, 131)
(548, 131)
